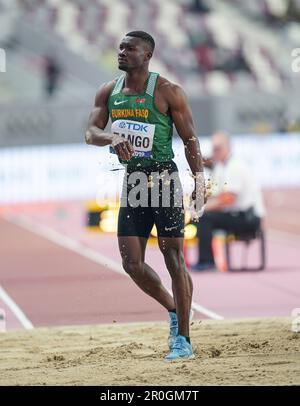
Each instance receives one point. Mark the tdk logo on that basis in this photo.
(134, 126)
(137, 127)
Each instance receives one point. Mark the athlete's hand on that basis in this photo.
(204, 194)
(123, 148)
(198, 200)
(208, 162)
(197, 204)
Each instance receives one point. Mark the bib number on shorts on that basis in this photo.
(140, 135)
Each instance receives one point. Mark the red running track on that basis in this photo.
(55, 285)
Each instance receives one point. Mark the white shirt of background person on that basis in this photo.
(231, 175)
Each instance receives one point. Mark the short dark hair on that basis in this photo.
(144, 36)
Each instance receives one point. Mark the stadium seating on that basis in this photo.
(270, 11)
(200, 50)
(8, 16)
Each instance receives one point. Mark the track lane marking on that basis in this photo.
(12, 305)
(77, 247)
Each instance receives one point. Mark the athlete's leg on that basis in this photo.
(182, 286)
(132, 249)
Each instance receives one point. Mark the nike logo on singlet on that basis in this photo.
(116, 103)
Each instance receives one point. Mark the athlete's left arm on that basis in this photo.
(182, 117)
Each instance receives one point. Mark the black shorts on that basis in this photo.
(168, 216)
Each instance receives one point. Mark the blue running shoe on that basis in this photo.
(174, 327)
(182, 350)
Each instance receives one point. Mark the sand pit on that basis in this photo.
(250, 352)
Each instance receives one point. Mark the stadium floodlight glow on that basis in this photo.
(109, 225)
(190, 231)
(2, 60)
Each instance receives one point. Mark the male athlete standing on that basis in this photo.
(143, 107)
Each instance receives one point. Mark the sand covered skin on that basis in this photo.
(243, 352)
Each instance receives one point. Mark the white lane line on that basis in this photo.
(65, 242)
(209, 313)
(203, 310)
(23, 319)
(89, 253)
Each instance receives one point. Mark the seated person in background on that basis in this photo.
(236, 203)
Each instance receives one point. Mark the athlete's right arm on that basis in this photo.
(95, 134)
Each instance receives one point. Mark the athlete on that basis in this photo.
(142, 107)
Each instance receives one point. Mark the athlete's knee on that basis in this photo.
(174, 259)
(132, 267)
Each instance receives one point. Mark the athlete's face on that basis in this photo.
(133, 53)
